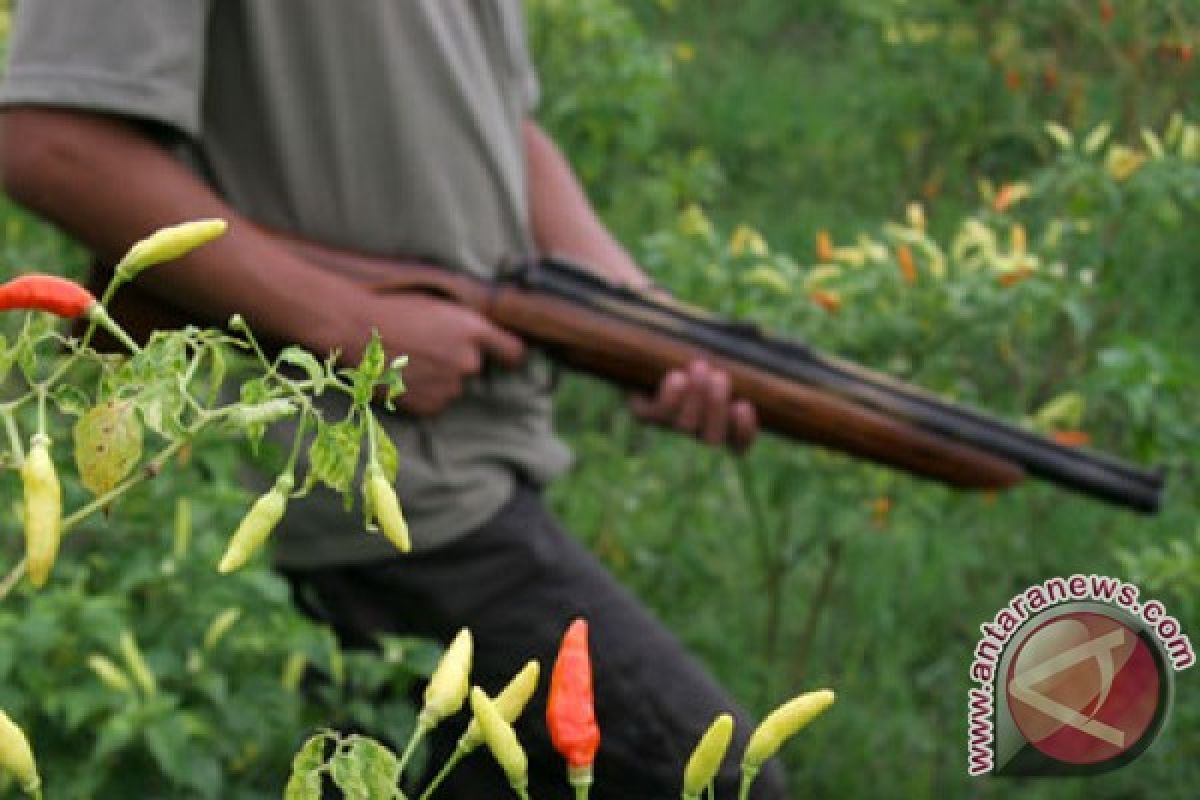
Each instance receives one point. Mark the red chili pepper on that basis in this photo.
(1107, 12)
(570, 715)
(46, 293)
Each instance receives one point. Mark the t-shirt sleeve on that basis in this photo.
(518, 43)
(139, 58)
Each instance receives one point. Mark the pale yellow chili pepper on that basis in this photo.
(706, 759)
(109, 673)
(783, 723)
(43, 510)
(509, 703)
(385, 508)
(168, 244)
(256, 526)
(16, 756)
(501, 740)
(447, 689)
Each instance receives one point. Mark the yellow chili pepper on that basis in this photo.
(16, 757)
(168, 244)
(293, 671)
(385, 507)
(142, 674)
(447, 689)
(43, 510)
(257, 525)
(509, 704)
(109, 673)
(783, 723)
(220, 626)
(501, 740)
(706, 759)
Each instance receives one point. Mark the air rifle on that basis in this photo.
(634, 338)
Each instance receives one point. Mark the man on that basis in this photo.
(398, 128)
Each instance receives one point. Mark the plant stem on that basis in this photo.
(748, 776)
(816, 609)
(450, 764)
(419, 731)
(14, 436)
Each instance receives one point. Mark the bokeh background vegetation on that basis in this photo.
(762, 158)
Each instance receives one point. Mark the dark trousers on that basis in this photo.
(516, 583)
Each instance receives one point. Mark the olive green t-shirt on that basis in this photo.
(390, 127)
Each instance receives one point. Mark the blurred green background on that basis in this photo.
(762, 159)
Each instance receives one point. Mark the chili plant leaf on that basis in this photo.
(333, 455)
(302, 359)
(305, 780)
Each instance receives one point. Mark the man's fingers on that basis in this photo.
(716, 413)
(495, 341)
(743, 424)
(663, 406)
(692, 408)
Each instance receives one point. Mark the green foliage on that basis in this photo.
(138, 671)
(1063, 283)
(791, 567)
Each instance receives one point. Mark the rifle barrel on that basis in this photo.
(1096, 474)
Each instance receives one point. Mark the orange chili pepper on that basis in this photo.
(1016, 276)
(1006, 196)
(824, 247)
(1050, 77)
(46, 293)
(881, 507)
(1072, 438)
(908, 266)
(829, 301)
(570, 714)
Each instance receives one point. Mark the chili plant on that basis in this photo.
(363, 768)
(137, 412)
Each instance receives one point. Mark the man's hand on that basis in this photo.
(698, 400)
(446, 343)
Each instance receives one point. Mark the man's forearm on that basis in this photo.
(564, 222)
(105, 183)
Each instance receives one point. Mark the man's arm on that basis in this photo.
(105, 182)
(697, 400)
